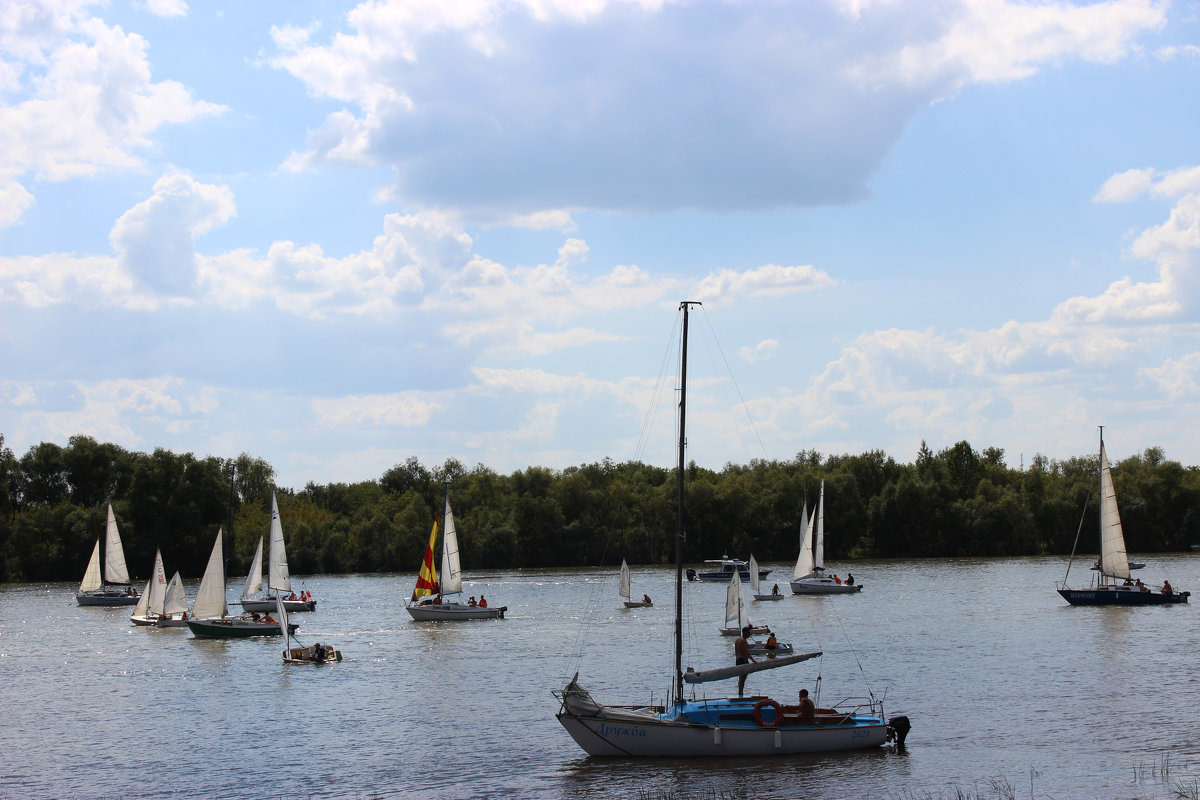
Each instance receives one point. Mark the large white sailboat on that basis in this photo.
(1113, 584)
(210, 612)
(809, 576)
(724, 726)
(279, 582)
(434, 601)
(112, 588)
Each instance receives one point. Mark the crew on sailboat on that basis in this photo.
(741, 655)
(1166, 589)
(646, 599)
(482, 601)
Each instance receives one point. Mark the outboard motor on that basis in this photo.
(691, 574)
(898, 728)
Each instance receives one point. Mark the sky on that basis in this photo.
(336, 236)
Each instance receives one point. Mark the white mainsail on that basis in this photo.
(624, 588)
(91, 576)
(254, 576)
(753, 574)
(1114, 561)
(451, 569)
(157, 586)
(735, 609)
(115, 570)
(175, 600)
(804, 563)
(210, 599)
(819, 541)
(277, 576)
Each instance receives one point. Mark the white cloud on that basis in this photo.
(763, 351)
(82, 97)
(1124, 186)
(167, 8)
(408, 410)
(1178, 378)
(515, 111)
(770, 280)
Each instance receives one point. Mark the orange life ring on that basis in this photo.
(758, 718)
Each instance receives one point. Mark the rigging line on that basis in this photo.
(737, 388)
(850, 645)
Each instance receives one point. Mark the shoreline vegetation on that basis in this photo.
(958, 502)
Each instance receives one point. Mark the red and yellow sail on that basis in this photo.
(427, 580)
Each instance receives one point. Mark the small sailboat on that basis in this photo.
(113, 587)
(429, 601)
(809, 576)
(1112, 584)
(175, 606)
(150, 606)
(210, 613)
(278, 579)
(723, 726)
(623, 590)
(756, 581)
(736, 617)
(313, 654)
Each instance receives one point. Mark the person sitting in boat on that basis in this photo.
(836, 579)
(1166, 589)
(772, 642)
(318, 652)
(1141, 586)
(482, 601)
(805, 709)
(471, 602)
(291, 596)
(254, 616)
(269, 620)
(1128, 582)
(646, 599)
(849, 579)
(775, 589)
(437, 601)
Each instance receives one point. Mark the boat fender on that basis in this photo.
(758, 717)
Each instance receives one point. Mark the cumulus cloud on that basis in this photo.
(508, 109)
(155, 239)
(167, 8)
(763, 351)
(82, 98)
(396, 410)
(770, 280)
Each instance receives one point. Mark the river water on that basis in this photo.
(1011, 692)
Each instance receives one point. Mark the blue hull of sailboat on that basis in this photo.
(1120, 596)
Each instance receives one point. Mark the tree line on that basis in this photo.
(955, 502)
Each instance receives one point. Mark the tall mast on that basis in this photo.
(680, 529)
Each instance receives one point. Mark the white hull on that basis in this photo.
(453, 612)
(754, 629)
(655, 737)
(823, 586)
(268, 604)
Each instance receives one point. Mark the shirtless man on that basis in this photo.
(806, 711)
(741, 654)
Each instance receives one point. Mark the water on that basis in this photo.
(1011, 692)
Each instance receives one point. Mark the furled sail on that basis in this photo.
(721, 673)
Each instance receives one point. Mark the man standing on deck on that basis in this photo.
(741, 654)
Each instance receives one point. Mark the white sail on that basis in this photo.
(753, 574)
(115, 570)
(143, 603)
(283, 624)
(819, 541)
(91, 576)
(735, 608)
(451, 569)
(1114, 561)
(175, 600)
(210, 599)
(624, 588)
(277, 577)
(157, 586)
(804, 563)
(254, 576)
